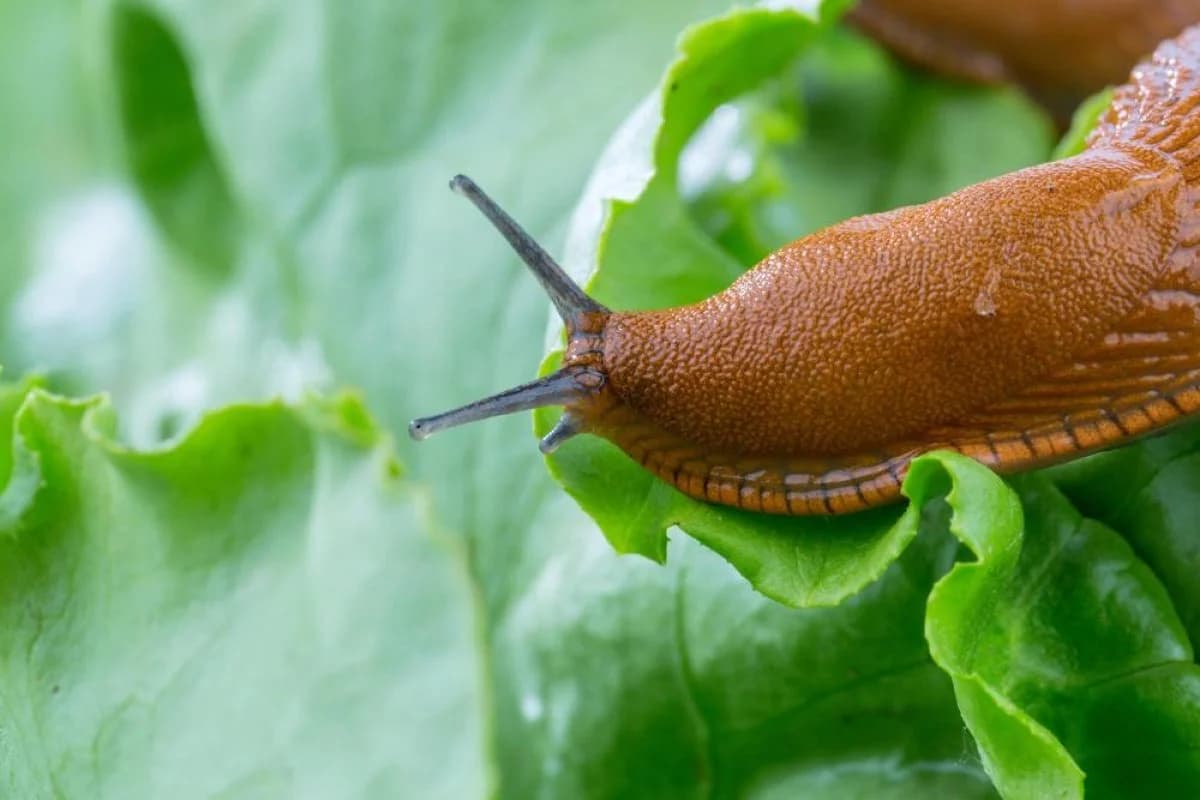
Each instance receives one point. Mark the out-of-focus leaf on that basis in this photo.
(172, 305)
(1082, 122)
(250, 612)
(47, 144)
(168, 153)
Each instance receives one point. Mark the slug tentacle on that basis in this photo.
(569, 424)
(568, 385)
(581, 379)
(568, 298)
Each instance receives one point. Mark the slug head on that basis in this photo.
(578, 382)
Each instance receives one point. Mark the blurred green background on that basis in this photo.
(211, 593)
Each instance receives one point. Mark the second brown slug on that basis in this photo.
(1060, 50)
(1027, 319)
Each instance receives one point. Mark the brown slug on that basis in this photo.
(1021, 321)
(1060, 50)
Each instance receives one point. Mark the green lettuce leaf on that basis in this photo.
(1149, 493)
(1082, 122)
(1067, 655)
(617, 677)
(251, 611)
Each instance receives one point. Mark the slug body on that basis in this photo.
(1061, 50)
(1021, 321)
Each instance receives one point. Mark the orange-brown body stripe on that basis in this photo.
(849, 491)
